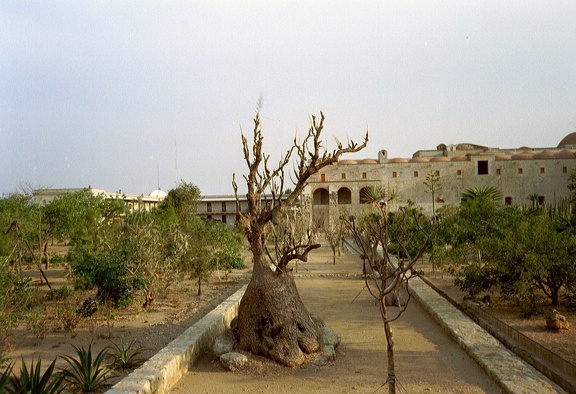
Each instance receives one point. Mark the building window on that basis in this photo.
(542, 170)
(508, 201)
(520, 171)
(322, 177)
(394, 174)
(459, 172)
(482, 167)
(208, 207)
(415, 174)
(343, 176)
(224, 207)
(540, 200)
(363, 175)
(224, 219)
(498, 171)
(564, 170)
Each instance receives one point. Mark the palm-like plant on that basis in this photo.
(378, 194)
(125, 356)
(483, 192)
(86, 374)
(32, 380)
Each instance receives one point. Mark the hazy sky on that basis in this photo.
(114, 93)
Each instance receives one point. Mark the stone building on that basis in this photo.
(522, 175)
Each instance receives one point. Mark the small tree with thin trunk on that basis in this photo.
(333, 229)
(373, 233)
(434, 186)
(272, 319)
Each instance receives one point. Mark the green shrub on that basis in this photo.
(58, 259)
(58, 294)
(38, 324)
(68, 317)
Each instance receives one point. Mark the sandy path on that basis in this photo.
(427, 360)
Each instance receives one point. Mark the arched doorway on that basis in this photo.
(344, 196)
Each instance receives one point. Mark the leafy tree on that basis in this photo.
(272, 319)
(19, 218)
(145, 245)
(182, 202)
(196, 256)
(530, 257)
(108, 272)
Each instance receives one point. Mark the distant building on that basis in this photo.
(135, 201)
(221, 208)
(520, 174)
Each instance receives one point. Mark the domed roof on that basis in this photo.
(522, 156)
(419, 160)
(158, 193)
(367, 161)
(398, 160)
(564, 154)
(459, 158)
(438, 159)
(502, 157)
(347, 162)
(544, 155)
(570, 139)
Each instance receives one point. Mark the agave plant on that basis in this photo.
(85, 374)
(125, 356)
(32, 380)
(5, 379)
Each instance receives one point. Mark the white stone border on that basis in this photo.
(165, 368)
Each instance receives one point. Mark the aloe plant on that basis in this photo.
(32, 380)
(5, 379)
(85, 374)
(125, 356)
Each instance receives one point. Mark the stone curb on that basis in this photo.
(167, 366)
(511, 373)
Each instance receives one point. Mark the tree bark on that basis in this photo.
(272, 319)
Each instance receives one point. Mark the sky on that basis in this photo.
(134, 95)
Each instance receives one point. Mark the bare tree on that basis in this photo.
(374, 233)
(272, 319)
(334, 228)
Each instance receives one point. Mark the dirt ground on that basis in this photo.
(176, 309)
(427, 360)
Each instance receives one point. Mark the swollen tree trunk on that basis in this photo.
(272, 319)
